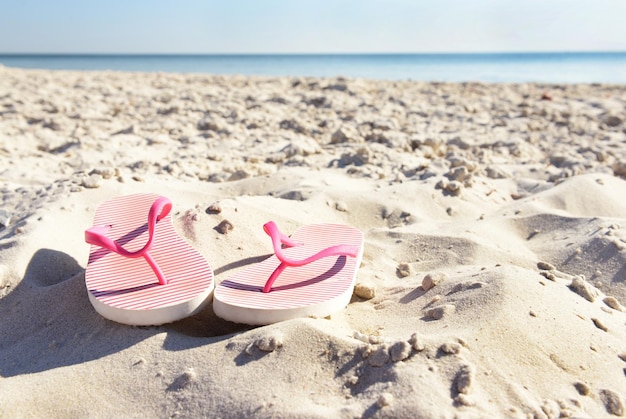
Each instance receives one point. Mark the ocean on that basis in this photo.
(585, 67)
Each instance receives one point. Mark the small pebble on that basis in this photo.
(403, 270)
(417, 342)
(599, 324)
(214, 208)
(400, 351)
(432, 279)
(613, 303)
(546, 266)
(105, 172)
(5, 219)
(551, 409)
(360, 336)
(454, 187)
(613, 402)
(224, 227)
(582, 388)
(269, 343)
(584, 289)
(341, 207)
(365, 291)
(92, 182)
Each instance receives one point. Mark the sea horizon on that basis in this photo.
(500, 67)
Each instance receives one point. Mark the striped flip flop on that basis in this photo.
(311, 274)
(140, 271)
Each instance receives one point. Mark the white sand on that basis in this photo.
(504, 198)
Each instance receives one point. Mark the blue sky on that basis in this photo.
(310, 26)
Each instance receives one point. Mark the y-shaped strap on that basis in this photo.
(97, 236)
(279, 239)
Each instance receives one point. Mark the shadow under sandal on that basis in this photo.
(141, 272)
(312, 273)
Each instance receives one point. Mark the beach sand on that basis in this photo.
(494, 271)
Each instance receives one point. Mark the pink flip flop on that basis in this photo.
(140, 271)
(311, 274)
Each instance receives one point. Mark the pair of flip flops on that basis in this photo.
(141, 272)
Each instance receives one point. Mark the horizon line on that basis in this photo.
(310, 53)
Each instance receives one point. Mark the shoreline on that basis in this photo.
(496, 67)
(510, 194)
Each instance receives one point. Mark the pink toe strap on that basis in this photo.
(97, 236)
(279, 239)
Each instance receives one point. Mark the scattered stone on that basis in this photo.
(364, 291)
(613, 121)
(403, 270)
(400, 351)
(224, 227)
(384, 400)
(92, 182)
(239, 175)
(346, 134)
(341, 206)
(214, 208)
(441, 311)
(465, 378)
(292, 125)
(301, 146)
(105, 172)
(613, 402)
(454, 187)
(582, 388)
(417, 342)
(208, 124)
(546, 266)
(598, 323)
(551, 409)
(361, 336)
(584, 289)
(269, 343)
(432, 279)
(5, 219)
(609, 301)
(167, 111)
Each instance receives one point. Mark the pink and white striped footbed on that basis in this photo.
(311, 274)
(140, 271)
